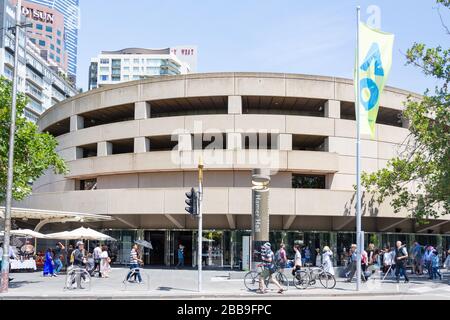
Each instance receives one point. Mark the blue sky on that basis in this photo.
(294, 36)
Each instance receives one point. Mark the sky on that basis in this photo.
(292, 36)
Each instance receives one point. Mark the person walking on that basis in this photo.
(297, 259)
(281, 257)
(134, 264)
(327, 263)
(105, 260)
(318, 258)
(97, 252)
(447, 264)
(180, 253)
(416, 255)
(435, 265)
(353, 263)
(269, 268)
(59, 250)
(427, 260)
(49, 264)
(401, 257)
(79, 258)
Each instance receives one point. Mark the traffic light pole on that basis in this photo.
(200, 224)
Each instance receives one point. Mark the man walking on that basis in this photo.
(57, 258)
(97, 259)
(353, 263)
(401, 256)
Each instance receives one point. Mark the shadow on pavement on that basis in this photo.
(170, 289)
(18, 284)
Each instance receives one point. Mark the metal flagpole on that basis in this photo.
(9, 185)
(200, 223)
(358, 162)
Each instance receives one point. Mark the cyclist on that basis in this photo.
(269, 269)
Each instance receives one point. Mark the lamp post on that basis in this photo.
(200, 224)
(260, 213)
(9, 184)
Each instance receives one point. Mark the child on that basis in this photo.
(435, 265)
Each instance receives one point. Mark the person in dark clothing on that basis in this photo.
(401, 256)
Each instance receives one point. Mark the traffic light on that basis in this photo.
(192, 202)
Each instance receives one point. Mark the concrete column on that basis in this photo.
(284, 142)
(104, 149)
(76, 123)
(142, 110)
(184, 142)
(234, 141)
(333, 109)
(141, 144)
(234, 105)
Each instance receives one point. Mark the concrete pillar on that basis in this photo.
(142, 110)
(234, 141)
(141, 144)
(184, 142)
(234, 105)
(76, 123)
(333, 109)
(284, 142)
(104, 149)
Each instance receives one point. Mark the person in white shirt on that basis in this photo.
(105, 267)
(326, 260)
(97, 253)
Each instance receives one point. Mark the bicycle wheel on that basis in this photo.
(301, 279)
(283, 281)
(251, 280)
(327, 280)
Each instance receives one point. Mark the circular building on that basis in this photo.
(133, 151)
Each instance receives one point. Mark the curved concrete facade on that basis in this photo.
(136, 142)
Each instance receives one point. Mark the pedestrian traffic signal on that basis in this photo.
(192, 202)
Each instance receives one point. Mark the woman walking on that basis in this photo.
(297, 259)
(49, 264)
(105, 260)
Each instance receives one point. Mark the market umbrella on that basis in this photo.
(144, 243)
(80, 233)
(26, 233)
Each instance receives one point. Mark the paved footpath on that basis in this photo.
(182, 284)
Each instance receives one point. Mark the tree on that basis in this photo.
(424, 161)
(34, 152)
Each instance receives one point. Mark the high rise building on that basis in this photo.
(42, 79)
(71, 11)
(111, 67)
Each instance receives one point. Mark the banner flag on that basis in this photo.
(373, 64)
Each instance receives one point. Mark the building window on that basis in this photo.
(33, 40)
(58, 33)
(50, 37)
(39, 26)
(48, 29)
(303, 181)
(116, 78)
(126, 77)
(52, 46)
(126, 68)
(136, 69)
(104, 61)
(104, 78)
(58, 41)
(136, 61)
(58, 59)
(52, 56)
(58, 50)
(90, 184)
(42, 43)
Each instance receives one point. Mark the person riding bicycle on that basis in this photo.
(269, 269)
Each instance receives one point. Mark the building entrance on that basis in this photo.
(185, 239)
(155, 257)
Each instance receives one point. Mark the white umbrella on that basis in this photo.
(26, 233)
(80, 233)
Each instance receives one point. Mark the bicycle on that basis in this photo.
(308, 277)
(75, 276)
(251, 279)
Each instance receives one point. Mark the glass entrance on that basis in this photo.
(155, 257)
(185, 239)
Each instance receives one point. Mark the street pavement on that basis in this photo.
(222, 284)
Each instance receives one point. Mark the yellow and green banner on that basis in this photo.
(373, 65)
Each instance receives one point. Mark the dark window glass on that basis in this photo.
(39, 26)
(90, 184)
(303, 181)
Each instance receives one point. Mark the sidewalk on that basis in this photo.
(182, 284)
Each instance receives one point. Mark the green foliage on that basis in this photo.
(34, 152)
(425, 158)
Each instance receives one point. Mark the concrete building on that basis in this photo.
(133, 150)
(71, 12)
(42, 80)
(112, 67)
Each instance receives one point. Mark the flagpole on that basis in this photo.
(358, 161)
